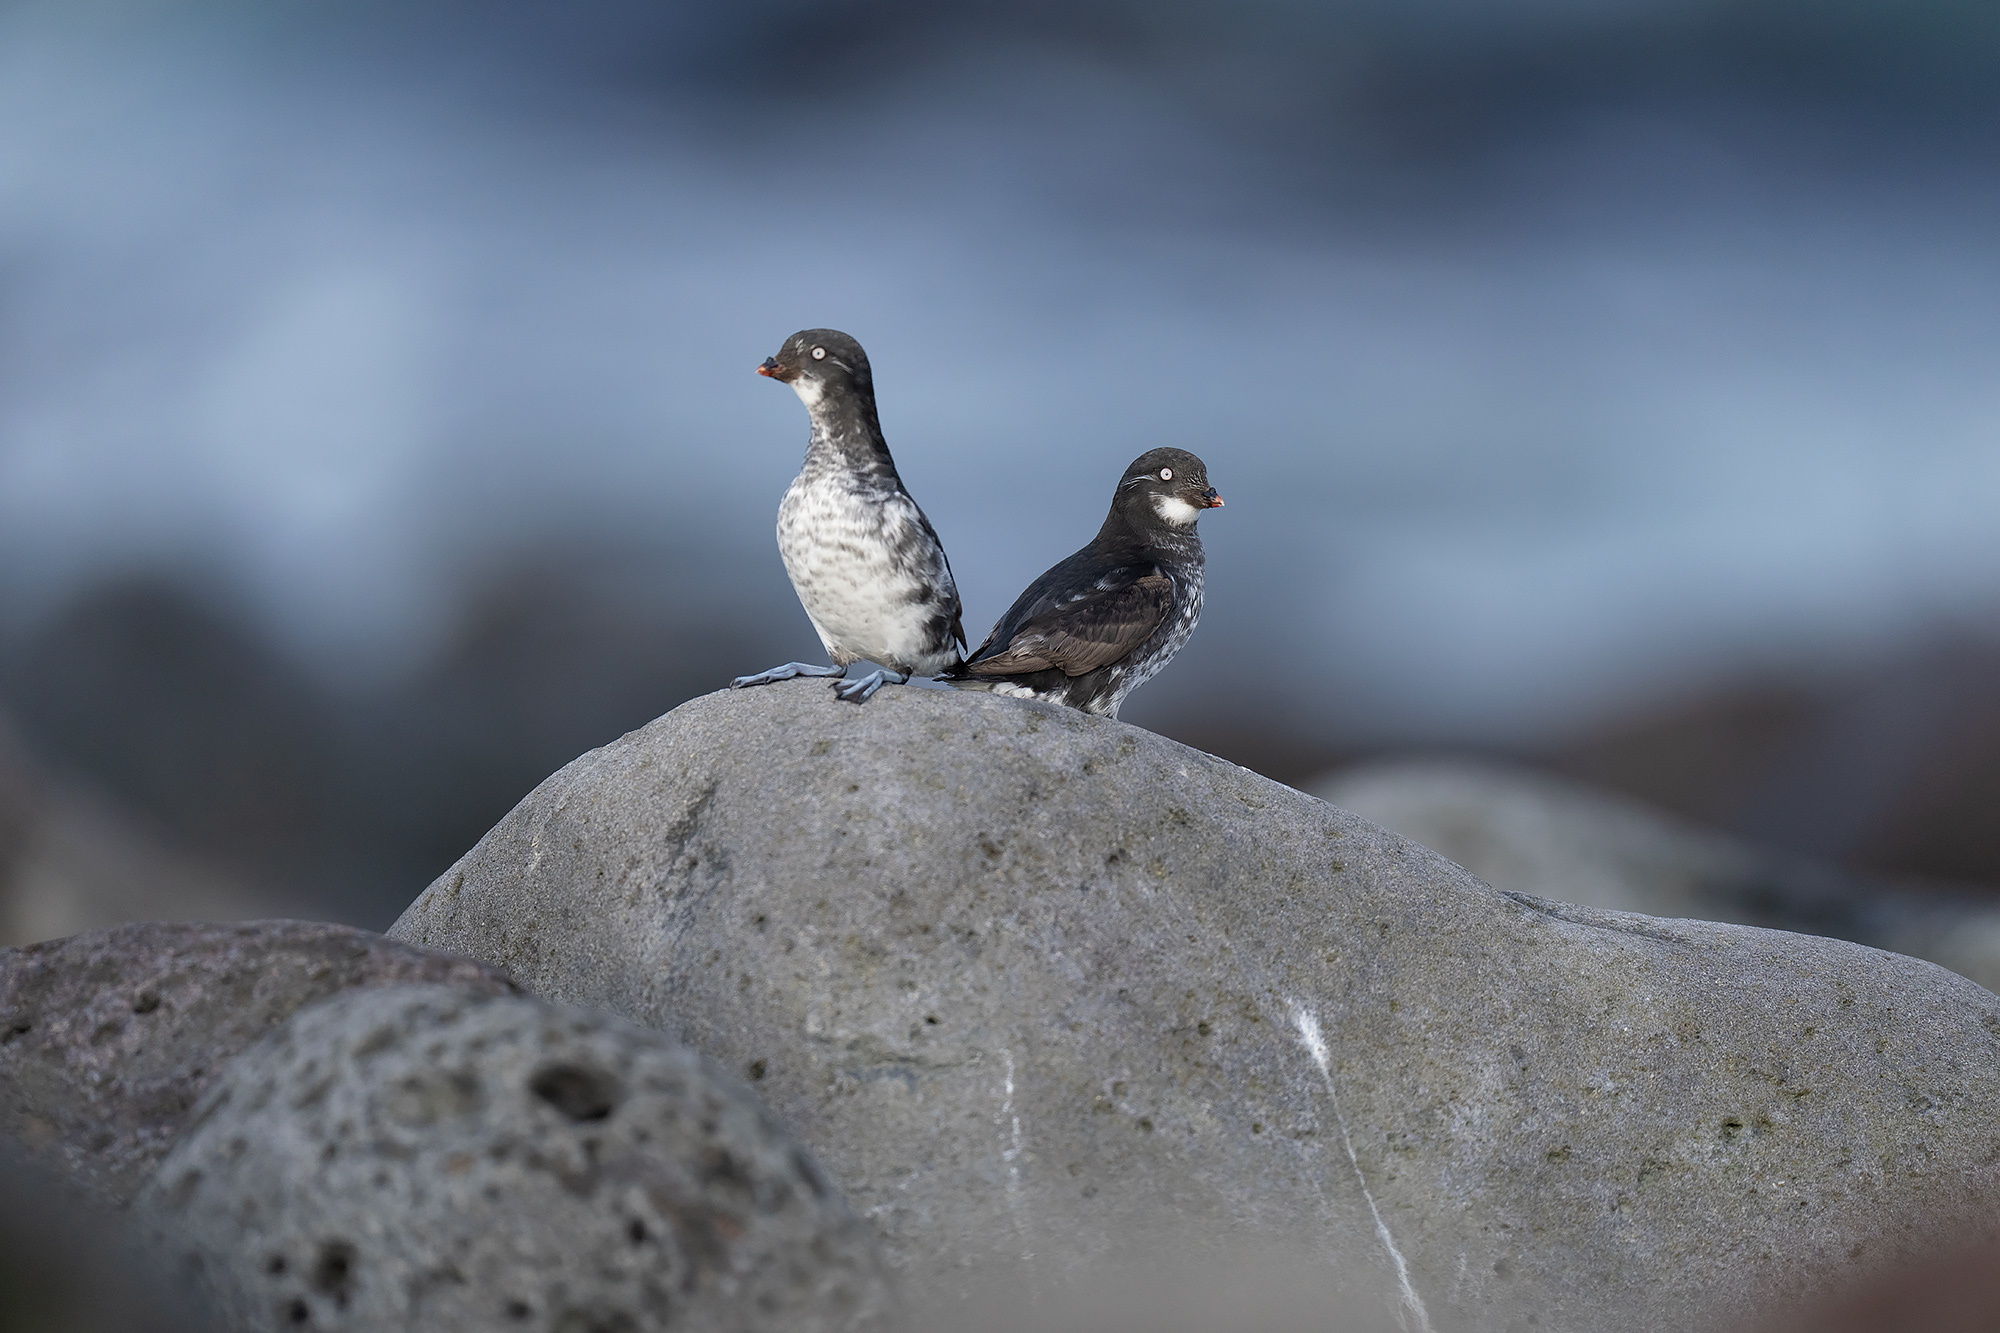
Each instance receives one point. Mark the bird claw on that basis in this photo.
(785, 672)
(862, 688)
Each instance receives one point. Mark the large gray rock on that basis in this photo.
(421, 1159)
(107, 1039)
(1533, 833)
(1043, 990)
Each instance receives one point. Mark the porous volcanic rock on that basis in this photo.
(1039, 987)
(422, 1159)
(108, 1038)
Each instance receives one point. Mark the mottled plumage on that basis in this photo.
(1105, 621)
(865, 562)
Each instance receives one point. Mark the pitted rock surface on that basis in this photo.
(1037, 986)
(108, 1038)
(422, 1159)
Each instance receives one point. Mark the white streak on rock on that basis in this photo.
(1412, 1305)
(1012, 1157)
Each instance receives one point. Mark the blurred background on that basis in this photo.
(1604, 386)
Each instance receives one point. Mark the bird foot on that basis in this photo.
(785, 672)
(862, 688)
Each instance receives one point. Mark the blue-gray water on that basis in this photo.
(1549, 357)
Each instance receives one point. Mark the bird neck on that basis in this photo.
(1144, 532)
(846, 434)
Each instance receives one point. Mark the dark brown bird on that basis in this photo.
(1105, 621)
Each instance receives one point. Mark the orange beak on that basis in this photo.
(1211, 499)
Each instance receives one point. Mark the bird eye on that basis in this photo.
(819, 354)
(1166, 474)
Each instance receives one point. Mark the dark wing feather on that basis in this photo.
(1096, 629)
(957, 625)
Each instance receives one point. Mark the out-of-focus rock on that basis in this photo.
(107, 1039)
(69, 1265)
(69, 862)
(1956, 1290)
(17, 797)
(1046, 991)
(1268, 1289)
(1527, 832)
(1892, 765)
(421, 1159)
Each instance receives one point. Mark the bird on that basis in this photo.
(867, 565)
(1105, 621)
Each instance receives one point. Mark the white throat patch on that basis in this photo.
(1175, 510)
(809, 390)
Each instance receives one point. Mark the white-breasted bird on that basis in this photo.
(865, 562)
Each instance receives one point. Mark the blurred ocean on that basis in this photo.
(1558, 362)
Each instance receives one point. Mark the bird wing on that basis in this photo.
(940, 576)
(949, 583)
(1095, 628)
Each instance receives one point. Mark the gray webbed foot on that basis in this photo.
(785, 672)
(862, 688)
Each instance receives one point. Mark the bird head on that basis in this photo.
(816, 362)
(1166, 486)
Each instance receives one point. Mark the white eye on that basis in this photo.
(1166, 474)
(819, 354)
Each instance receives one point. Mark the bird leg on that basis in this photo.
(785, 672)
(862, 688)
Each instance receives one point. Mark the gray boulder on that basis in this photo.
(423, 1159)
(1533, 833)
(1048, 992)
(107, 1039)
